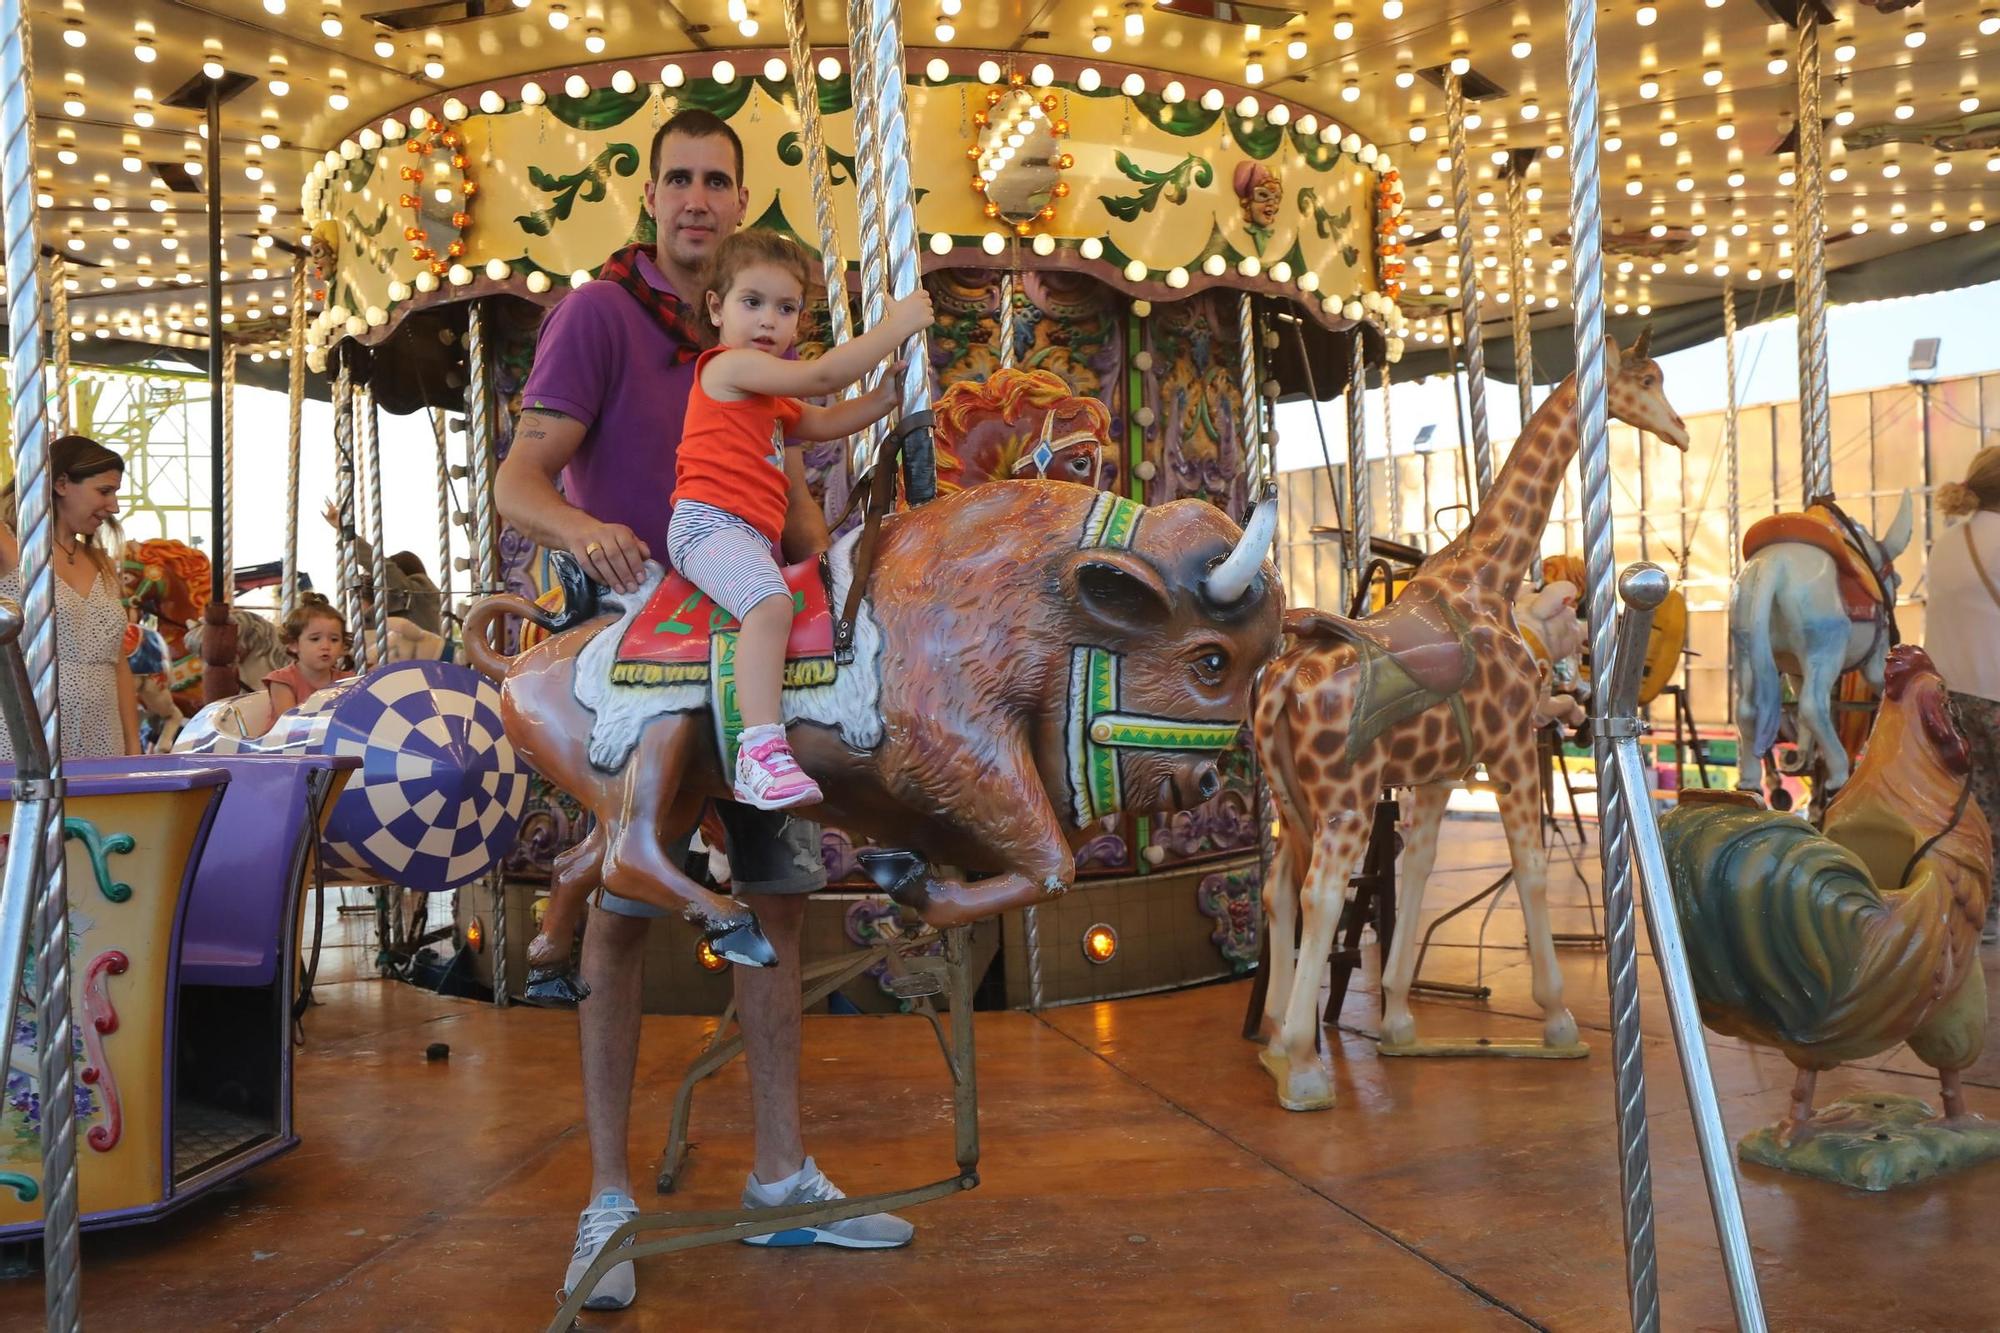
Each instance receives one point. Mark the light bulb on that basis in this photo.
(1649, 88)
(144, 52)
(1343, 27)
(558, 17)
(1253, 70)
(1914, 38)
(1100, 41)
(1392, 9)
(1843, 51)
(1522, 48)
(1712, 75)
(944, 31)
(212, 68)
(1295, 49)
(593, 41)
(1135, 23)
(1777, 64)
(279, 86)
(1647, 15)
(384, 48)
(434, 68)
(1461, 66)
(330, 25)
(1404, 78)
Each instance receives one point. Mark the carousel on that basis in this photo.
(1146, 763)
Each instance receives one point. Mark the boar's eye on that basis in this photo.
(1211, 664)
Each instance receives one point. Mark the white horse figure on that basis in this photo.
(1785, 615)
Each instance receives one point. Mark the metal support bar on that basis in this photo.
(295, 400)
(226, 553)
(1468, 283)
(349, 557)
(1258, 469)
(1392, 470)
(1808, 211)
(1361, 499)
(717, 1227)
(59, 341)
(1517, 261)
(892, 141)
(371, 438)
(220, 586)
(1587, 331)
(1642, 588)
(436, 414)
(868, 199)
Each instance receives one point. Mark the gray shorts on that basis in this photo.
(769, 852)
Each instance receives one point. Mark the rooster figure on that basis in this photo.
(1836, 946)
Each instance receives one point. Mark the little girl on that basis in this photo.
(731, 484)
(732, 492)
(315, 636)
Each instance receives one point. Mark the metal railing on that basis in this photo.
(1642, 588)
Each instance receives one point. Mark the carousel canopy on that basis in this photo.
(1699, 107)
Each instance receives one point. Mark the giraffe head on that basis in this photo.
(1636, 390)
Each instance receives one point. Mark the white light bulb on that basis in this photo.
(937, 71)
(1461, 66)
(1295, 49)
(1522, 48)
(940, 243)
(774, 70)
(384, 48)
(829, 68)
(989, 71)
(1087, 79)
(993, 242)
(1404, 78)
(1091, 248)
(1135, 270)
(145, 53)
(593, 42)
(330, 25)
(1134, 84)
(531, 94)
(672, 76)
(1135, 24)
(1343, 28)
(1914, 38)
(576, 86)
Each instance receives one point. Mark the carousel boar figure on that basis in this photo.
(1832, 947)
(1815, 598)
(1415, 696)
(1029, 657)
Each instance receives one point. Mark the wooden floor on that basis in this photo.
(1137, 1174)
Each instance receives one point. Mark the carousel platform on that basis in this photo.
(1137, 1174)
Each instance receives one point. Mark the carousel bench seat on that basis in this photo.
(247, 887)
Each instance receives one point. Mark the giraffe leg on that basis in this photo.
(1521, 816)
(1281, 907)
(1304, 1081)
(1420, 844)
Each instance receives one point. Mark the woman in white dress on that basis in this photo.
(99, 698)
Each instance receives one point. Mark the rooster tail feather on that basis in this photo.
(1782, 924)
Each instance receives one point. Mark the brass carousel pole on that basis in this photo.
(218, 634)
(348, 558)
(1732, 460)
(37, 882)
(486, 578)
(1517, 260)
(1468, 284)
(371, 440)
(436, 414)
(1394, 472)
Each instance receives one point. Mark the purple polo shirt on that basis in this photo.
(603, 360)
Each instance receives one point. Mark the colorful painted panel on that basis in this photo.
(1162, 195)
(128, 859)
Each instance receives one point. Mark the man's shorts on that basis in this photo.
(769, 852)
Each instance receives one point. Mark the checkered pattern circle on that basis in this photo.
(438, 797)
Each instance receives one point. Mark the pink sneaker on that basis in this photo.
(769, 778)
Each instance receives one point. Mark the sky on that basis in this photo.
(1869, 348)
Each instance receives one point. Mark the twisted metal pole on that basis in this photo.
(59, 340)
(1732, 461)
(35, 523)
(295, 402)
(379, 573)
(1361, 500)
(1256, 464)
(840, 323)
(1614, 842)
(343, 484)
(900, 222)
(228, 552)
(861, 81)
(1643, 587)
(1808, 208)
(1468, 283)
(1394, 469)
(1517, 260)
(1007, 331)
(479, 453)
(436, 415)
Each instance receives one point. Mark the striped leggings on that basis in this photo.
(723, 556)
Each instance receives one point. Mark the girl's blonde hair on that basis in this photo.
(741, 250)
(1979, 490)
(312, 606)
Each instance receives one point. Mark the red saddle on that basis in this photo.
(1860, 586)
(672, 639)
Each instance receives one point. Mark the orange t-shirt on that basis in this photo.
(732, 455)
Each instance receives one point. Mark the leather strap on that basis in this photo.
(881, 496)
(1972, 547)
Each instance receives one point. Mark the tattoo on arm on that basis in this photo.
(530, 429)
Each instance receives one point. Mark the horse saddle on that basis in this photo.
(674, 637)
(1411, 657)
(1860, 584)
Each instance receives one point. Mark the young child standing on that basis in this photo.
(731, 495)
(315, 636)
(731, 487)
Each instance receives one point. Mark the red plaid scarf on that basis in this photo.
(674, 315)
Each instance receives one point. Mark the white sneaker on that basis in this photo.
(876, 1231)
(593, 1228)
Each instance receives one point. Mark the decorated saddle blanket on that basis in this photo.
(670, 641)
(1412, 657)
(671, 650)
(1860, 584)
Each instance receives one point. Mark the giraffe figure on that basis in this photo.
(1415, 696)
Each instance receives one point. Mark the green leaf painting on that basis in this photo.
(723, 99)
(587, 185)
(1256, 136)
(599, 110)
(1327, 224)
(1172, 184)
(792, 151)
